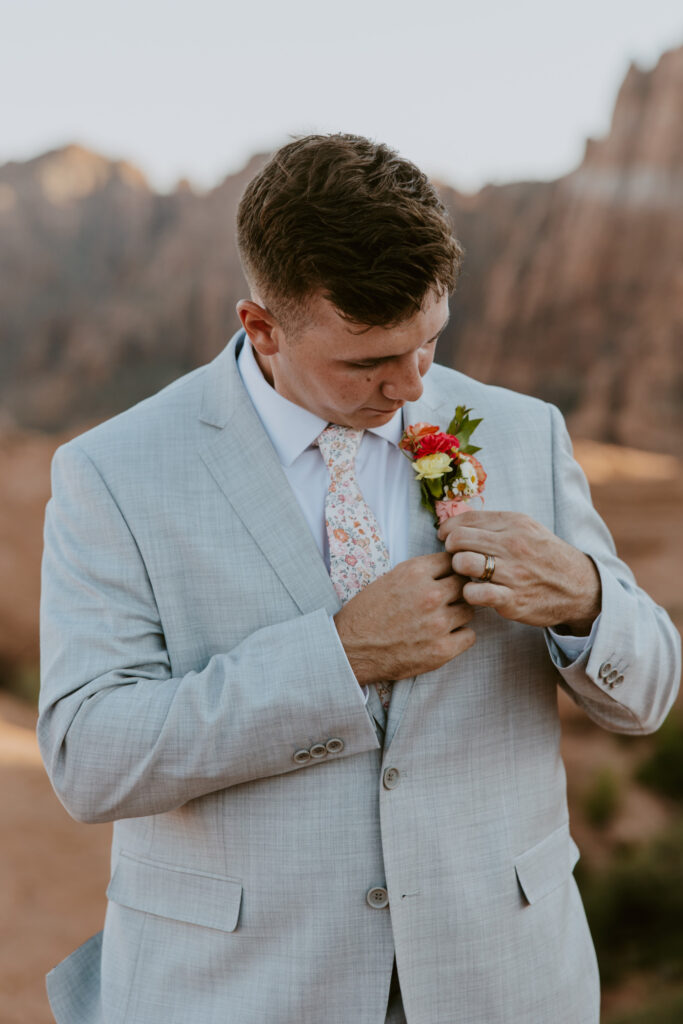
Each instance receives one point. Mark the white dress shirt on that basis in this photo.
(384, 474)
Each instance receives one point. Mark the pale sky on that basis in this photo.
(473, 92)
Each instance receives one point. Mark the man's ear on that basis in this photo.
(261, 326)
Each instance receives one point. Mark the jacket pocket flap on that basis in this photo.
(175, 892)
(547, 864)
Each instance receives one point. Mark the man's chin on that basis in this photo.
(376, 417)
(366, 418)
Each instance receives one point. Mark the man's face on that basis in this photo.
(353, 379)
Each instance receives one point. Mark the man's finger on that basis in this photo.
(451, 587)
(470, 539)
(461, 614)
(483, 520)
(472, 563)
(486, 595)
(439, 564)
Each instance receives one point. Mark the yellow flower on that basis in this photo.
(431, 467)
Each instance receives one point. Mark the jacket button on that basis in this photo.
(618, 680)
(605, 669)
(391, 778)
(302, 757)
(335, 746)
(318, 750)
(377, 898)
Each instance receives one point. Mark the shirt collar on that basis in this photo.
(290, 427)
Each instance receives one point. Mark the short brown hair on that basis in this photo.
(348, 217)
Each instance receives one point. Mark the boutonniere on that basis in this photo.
(445, 465)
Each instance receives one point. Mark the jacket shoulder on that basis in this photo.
(160, 416)
(449, 388)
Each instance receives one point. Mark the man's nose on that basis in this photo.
(404, 381)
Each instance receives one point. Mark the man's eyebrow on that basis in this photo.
(385, 359)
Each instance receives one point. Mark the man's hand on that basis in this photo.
(406, 622)
(538, 579)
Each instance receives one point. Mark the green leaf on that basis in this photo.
(462, 427)
(426, 497)
(467, 429)
(456, 423)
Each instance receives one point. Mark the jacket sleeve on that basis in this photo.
(627, 678)
(119, 734)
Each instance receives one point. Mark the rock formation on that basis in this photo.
(578, 284)
(572, 289)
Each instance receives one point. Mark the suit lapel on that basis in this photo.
(238, 454)
(236, 444)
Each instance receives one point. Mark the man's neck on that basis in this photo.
(263, 363)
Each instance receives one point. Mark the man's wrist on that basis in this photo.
(581, 627)
(588, 602)
(359, 664)
(352, 662)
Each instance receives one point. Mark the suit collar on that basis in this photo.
(222, 387)
(290, 427)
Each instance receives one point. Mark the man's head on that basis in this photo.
(346, 218)
(350, 257)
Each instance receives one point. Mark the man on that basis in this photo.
(342, 808)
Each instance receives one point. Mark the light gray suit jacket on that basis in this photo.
(188, 655)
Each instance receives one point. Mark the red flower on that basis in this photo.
(413, 435)
(432, 443)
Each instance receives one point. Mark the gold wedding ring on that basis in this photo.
(489, 569)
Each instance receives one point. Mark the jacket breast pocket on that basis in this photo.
(547, 865)
(178, 893)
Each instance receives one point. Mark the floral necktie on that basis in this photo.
(358, 555)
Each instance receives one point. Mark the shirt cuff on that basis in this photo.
(573, 646)
(363, 690)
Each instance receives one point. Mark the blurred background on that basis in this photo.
(555, 134)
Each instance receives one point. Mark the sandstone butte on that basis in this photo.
(572, 289)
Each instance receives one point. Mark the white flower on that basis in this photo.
(467, 483)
